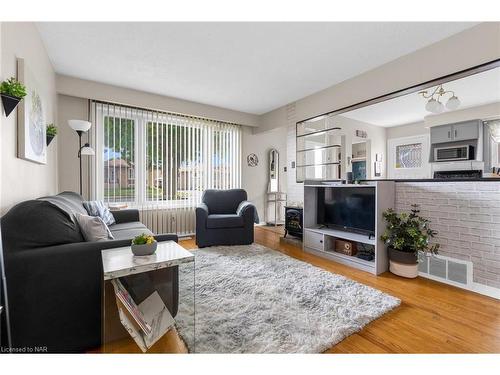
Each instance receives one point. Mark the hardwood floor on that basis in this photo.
(433, 317)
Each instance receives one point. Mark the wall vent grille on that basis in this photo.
(445, 269)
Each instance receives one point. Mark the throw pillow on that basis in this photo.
(93, 228)
(98, 208)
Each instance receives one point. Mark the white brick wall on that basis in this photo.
(467, 217)
(295, 191)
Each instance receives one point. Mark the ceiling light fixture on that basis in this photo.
(434, 104)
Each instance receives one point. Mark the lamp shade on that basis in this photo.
(453, 103)
(87, 150)
(79, 125)
(434, 106)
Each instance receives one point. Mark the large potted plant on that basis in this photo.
(406, 235)
(12, 92)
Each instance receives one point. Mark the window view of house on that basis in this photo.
(119, 168)
(171, 159)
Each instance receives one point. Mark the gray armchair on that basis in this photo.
(225, 217)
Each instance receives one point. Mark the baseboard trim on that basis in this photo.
(473, 287)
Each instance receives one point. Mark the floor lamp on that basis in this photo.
(81, 126)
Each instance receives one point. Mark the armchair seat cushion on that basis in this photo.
(225, 221)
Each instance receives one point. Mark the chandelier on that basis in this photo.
(434, 104)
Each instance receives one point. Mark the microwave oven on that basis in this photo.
(454, 153)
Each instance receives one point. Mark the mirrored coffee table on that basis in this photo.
(148, 301)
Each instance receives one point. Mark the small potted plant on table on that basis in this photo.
(406, 235)
(144, 244)
(51, 133)
(12, 92)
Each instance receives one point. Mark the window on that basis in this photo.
(409, 155)
(146, 156)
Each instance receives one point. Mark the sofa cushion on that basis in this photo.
(126, 231)
(127, 226)
(93, 228)
(99, 209)
(223, 201)
(225, 221)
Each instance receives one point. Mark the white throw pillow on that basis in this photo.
(93, 228)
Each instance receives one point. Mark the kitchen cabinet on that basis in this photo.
(441, 134)
(465, 131)
(460, 131)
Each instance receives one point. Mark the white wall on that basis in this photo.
(255, 179)
(69, 108)
(73, 95)
(376, 135)
(408, 130)
(482, 112)
(21, 179)
(100, 91)
(475, 46)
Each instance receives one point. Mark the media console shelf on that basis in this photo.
(320, 240)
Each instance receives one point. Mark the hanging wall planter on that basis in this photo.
(50, 131)
(12, 92)
(50, 138)
(9, 103)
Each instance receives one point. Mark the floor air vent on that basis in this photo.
(445, 269)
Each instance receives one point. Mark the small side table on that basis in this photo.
(149, 320)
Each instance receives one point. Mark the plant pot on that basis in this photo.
(146, 249)
(50, 138)
(410, 271)
(402, 263)
(9, 103)
(402, 256)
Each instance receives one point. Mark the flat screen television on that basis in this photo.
(347, 208)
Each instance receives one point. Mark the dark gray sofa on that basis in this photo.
(224, 217)
(54, 277)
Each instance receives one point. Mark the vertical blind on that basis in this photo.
(160, 160)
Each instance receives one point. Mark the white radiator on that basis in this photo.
(180, 221)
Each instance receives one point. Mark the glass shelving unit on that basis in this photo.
(319, 145)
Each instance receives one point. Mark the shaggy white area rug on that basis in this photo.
(251, 299)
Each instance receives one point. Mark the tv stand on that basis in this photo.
(320, 240)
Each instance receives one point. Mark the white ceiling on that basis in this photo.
(473, 91)
(250, 67)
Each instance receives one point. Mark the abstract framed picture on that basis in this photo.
(31, 113)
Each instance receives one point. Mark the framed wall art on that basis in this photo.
(31, 115)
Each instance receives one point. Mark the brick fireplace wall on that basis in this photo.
(467, 217)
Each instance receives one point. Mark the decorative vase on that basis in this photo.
(9, 103)
(403, 263)
(50, 138)
(145, 249)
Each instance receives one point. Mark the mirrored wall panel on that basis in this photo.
(446, 129)
(318, 150)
